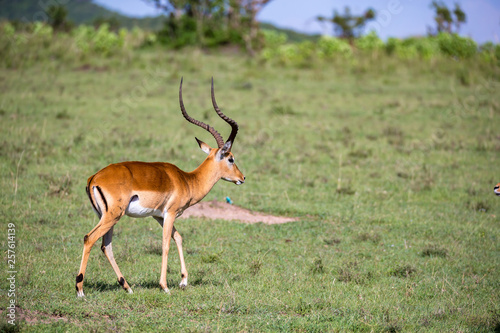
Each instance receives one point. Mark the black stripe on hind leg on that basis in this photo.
(103, 198)
(92, 202)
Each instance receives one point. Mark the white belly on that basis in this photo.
(135, 209)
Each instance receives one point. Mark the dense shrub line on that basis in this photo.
(23, 45)
(442, 45)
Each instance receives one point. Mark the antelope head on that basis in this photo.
(221, 158)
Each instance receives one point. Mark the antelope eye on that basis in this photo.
(231, 160)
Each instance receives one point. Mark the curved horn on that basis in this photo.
(234, 124)
(216, 135)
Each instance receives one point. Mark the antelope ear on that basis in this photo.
(206, 148)
(224, 150)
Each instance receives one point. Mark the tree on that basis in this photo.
(349, 26)
(206, 22)
(460, 16)
(446, 18)
(251, 29)
(187, 18)
(58, 18)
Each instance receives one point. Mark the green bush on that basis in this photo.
(8, 30)
(401, 48)
(303, 54)
(306, 53)
(411, 48)
(490, 53)
(106, 42)
(427, 48)
(289, 54)
(295, 54)
(101, 41)
(392, 45)
(456, 46)
(273, 39)
(43, 30)
(329, 47)
(369, 42)
(82, 36)
(140, 38)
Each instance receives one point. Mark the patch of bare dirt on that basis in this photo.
(32, 317)
(224, 211)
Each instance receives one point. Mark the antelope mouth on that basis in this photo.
(237, 181)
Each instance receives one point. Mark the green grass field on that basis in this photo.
(389, 165)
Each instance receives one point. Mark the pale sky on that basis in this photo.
(395, 18)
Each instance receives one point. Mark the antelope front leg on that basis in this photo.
(184, 274)
(168, 225)
(178, 241)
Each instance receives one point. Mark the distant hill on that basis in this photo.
(79, 12)
(86, 11)
(292, 35)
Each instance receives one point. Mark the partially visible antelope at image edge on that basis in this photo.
(160, 190)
